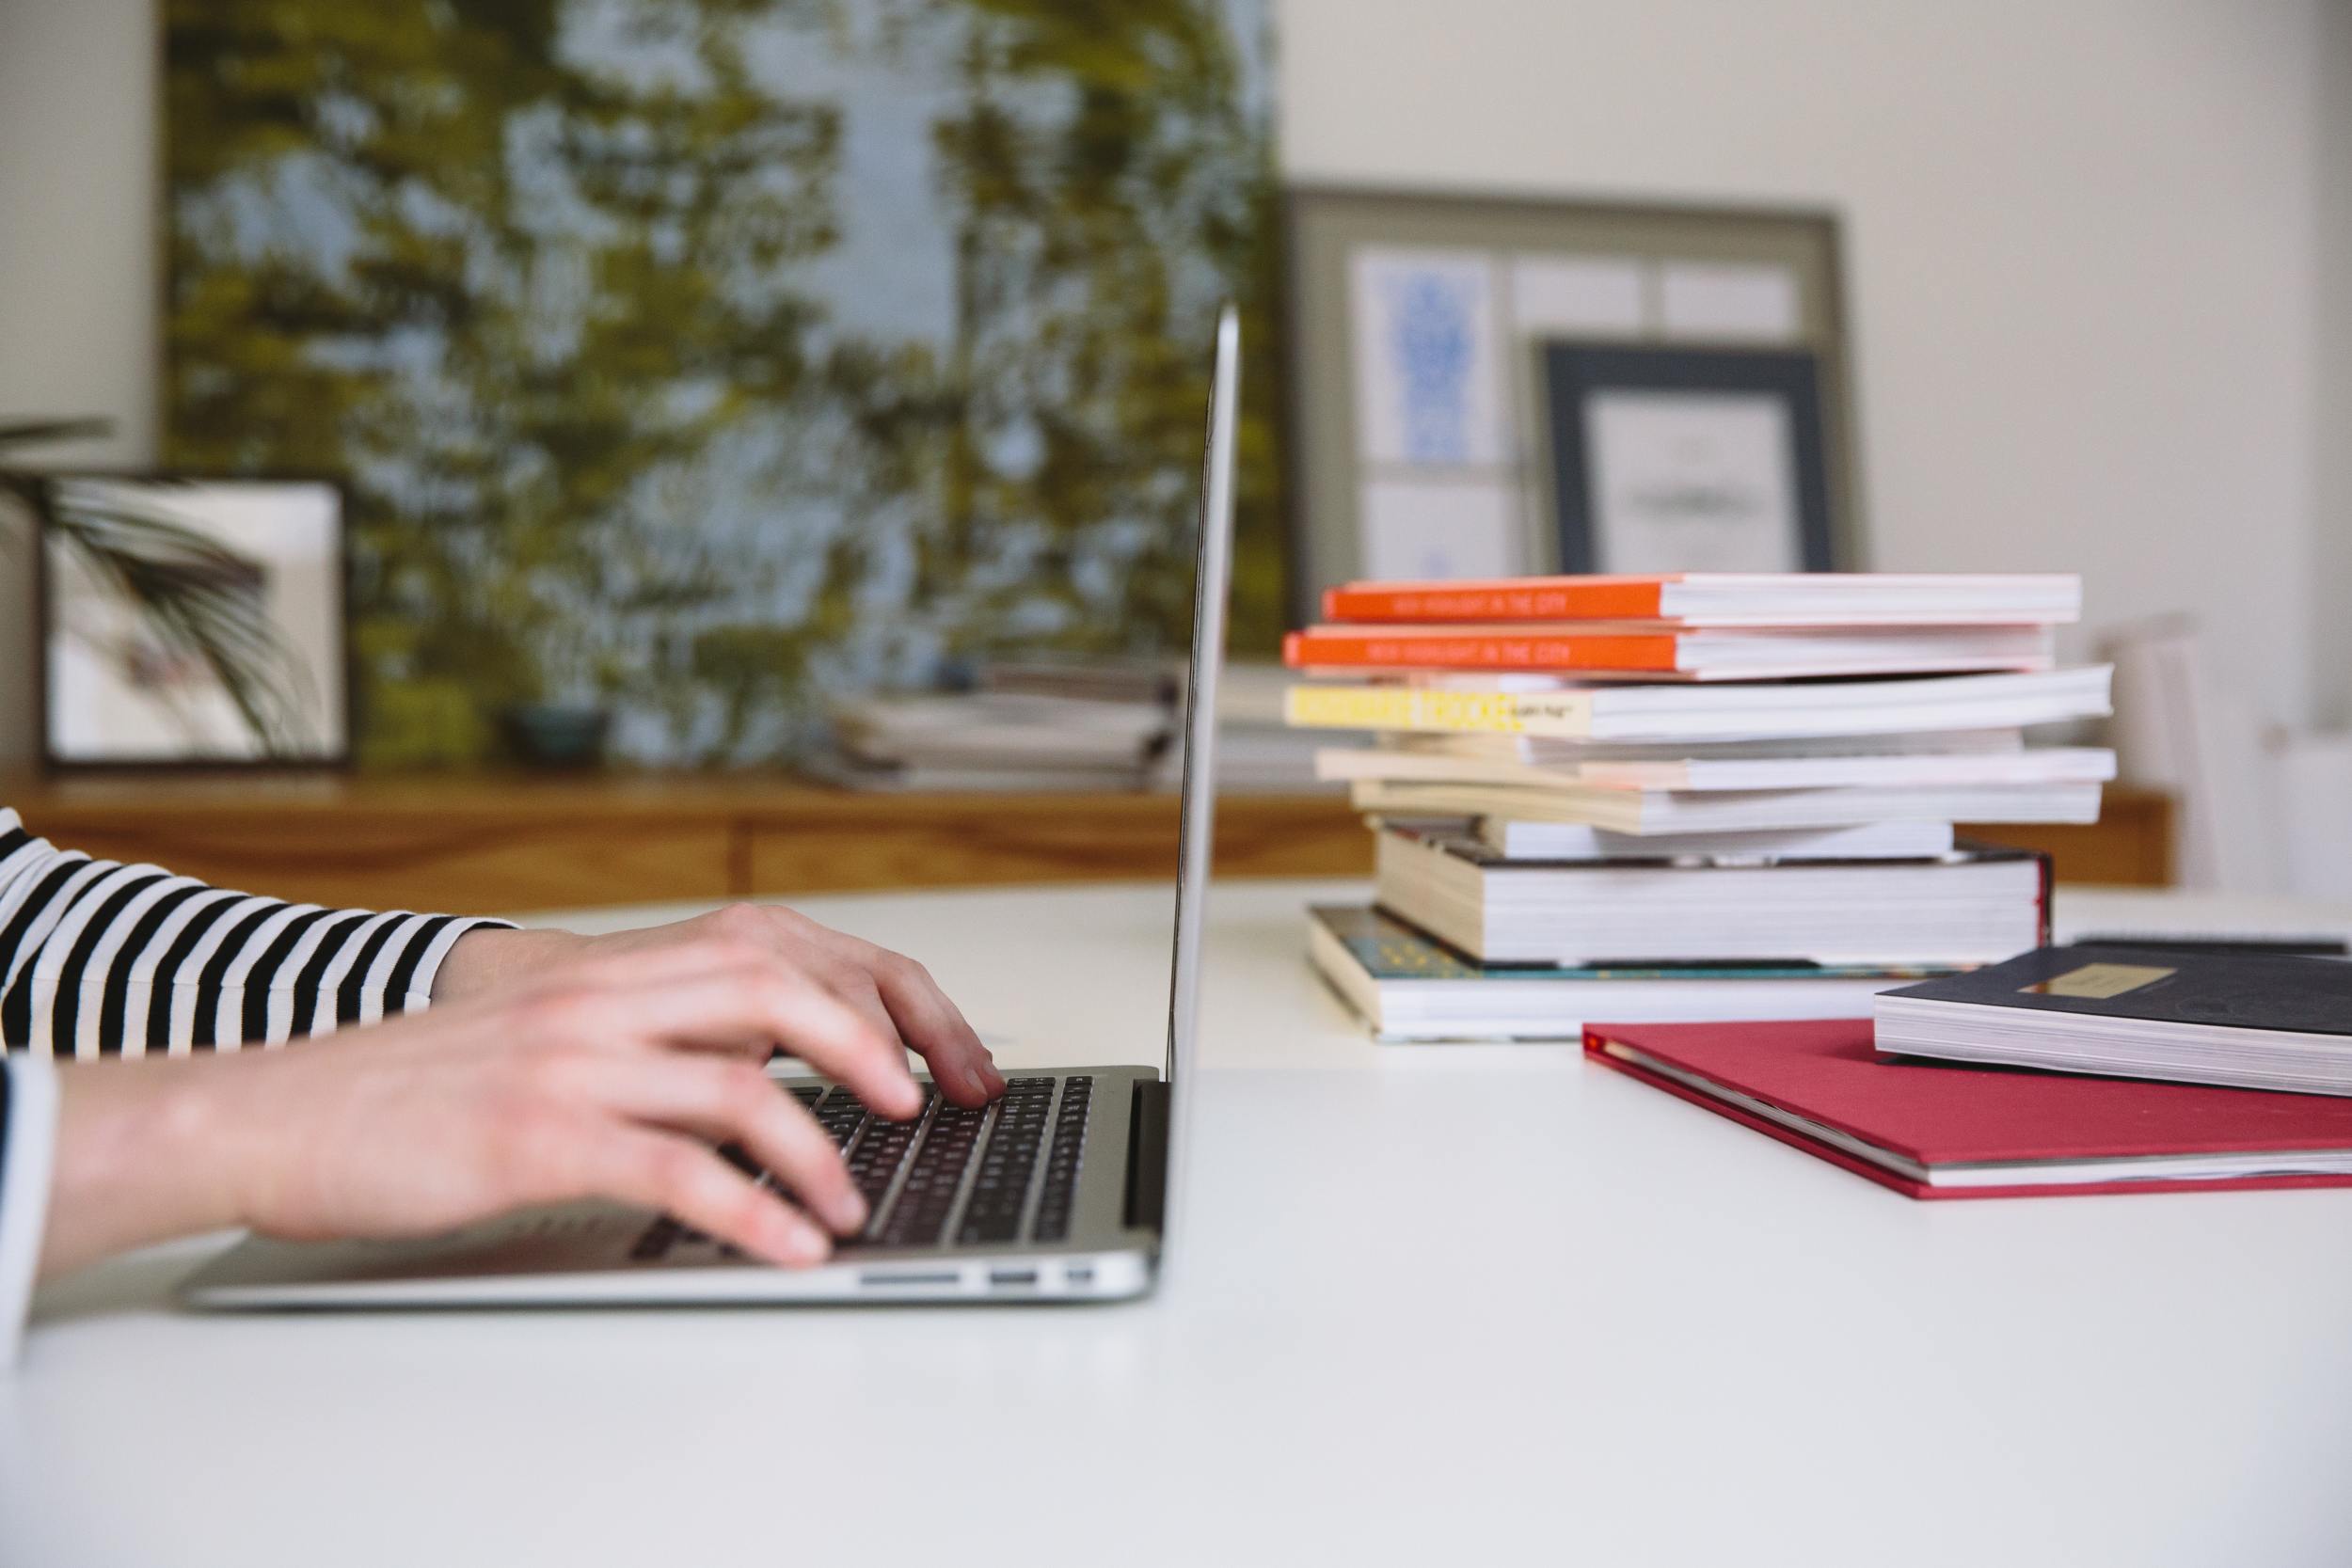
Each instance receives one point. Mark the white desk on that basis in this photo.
(1440, 1305)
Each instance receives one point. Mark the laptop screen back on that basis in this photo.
(1196, 833)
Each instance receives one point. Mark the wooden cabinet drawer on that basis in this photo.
(838, 844)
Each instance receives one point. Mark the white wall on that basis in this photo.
(2083, 246)
(2330, 598)
(77, 256)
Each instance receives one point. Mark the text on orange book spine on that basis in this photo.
(1602, 599)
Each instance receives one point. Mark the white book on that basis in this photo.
(1822, 598)
(1408, 988)
(1646, 812)
(1575, 841)
(1552, 750)
(1547, 706)
(2052, 765)
(1964, 910)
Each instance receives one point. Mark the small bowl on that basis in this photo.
(556, 736)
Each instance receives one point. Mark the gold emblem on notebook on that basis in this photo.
(2098, 981)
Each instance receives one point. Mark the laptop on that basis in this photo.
(1062, 1191)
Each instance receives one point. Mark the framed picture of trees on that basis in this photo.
(704, 359)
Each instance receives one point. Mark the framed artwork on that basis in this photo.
(1419, 426)
(1687, 459)
(191, 623)
(826, 347)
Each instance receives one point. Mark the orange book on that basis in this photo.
(1586, 598)
(1725, 599)
(1653, 650)
(1482, 648)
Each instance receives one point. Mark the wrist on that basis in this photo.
(489, 959)
(142, 1155)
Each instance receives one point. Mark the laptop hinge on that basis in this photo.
(1147, 1155)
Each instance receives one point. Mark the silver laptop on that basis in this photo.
(1063, 1190)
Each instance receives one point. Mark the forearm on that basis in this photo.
(144, 1151)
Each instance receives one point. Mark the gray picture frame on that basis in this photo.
(1328, 228)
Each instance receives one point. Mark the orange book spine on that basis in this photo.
(1371, 648)
(1526, 599)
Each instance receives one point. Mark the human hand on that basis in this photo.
(612, 1080)
(894, 995)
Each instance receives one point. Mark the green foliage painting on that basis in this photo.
(706, 359)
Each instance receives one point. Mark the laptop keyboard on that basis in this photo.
(946, 1173)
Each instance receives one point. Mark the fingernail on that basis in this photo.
(848, 1213)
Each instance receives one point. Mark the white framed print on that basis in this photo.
(192, 623)
(1685, 459)
(1429, 366)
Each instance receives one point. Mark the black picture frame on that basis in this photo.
(336, 757)
(1573, 372)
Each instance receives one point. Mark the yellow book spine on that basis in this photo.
(1413, 707)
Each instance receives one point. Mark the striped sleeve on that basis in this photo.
(100, 959)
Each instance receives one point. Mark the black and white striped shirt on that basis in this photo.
(98, 958)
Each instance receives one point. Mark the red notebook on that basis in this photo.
(1934, 1130)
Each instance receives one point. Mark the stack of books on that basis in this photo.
(1694, 797)
(1068, 726)
(1042, 725)
(1258, 752)
(2186, 1065)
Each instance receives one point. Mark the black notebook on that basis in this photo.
(2251, 1021)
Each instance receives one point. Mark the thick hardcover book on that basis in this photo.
(1973, 906)
(1658, 651)
(1938, 1131)
(1721, 598)
(2254, 1019)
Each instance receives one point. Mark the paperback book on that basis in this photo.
(1726, 598)
(1410, 987)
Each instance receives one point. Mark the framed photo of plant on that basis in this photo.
(191, 623)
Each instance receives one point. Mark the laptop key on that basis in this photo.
(920, 1212)
(841, 1114)
(656, 1240)
(1062, 1160)
(1001, 1186)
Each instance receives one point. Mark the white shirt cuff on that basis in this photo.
(420, 995)
(27, 1145)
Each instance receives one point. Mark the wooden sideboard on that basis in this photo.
(480, 844)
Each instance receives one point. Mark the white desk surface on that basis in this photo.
(1439, 1305)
